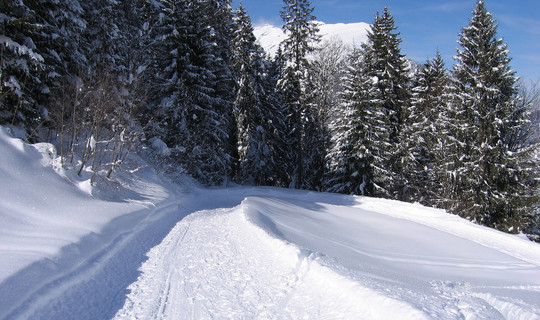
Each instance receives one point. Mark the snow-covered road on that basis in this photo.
(267, 253)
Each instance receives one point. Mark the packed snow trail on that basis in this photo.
(215, 264)
(89, 279)
(291, 254)
(272, 253)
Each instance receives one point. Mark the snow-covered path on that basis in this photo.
(282, 257)
(267, 253)
(216, 264)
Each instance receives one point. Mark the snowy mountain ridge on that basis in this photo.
(158, 250)
(352, 34)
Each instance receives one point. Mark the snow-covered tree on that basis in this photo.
(60, 42)
(278, 124)
(491, 174)
(351, 159)
(376, 93)
(21, 67)
(247, 62)
(425, 139)
(323, 89)
(59, 39)
(301, 31)
(187, 110)
(218, 15)
(326, 69)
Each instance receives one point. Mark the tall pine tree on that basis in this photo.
(247, 61)
(187, 110)
(490, 174)
(424, 138)
(21, 67)
(301, 31)
(351, 160)
(388, 69)
(376, 95)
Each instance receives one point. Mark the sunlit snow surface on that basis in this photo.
(244, 253)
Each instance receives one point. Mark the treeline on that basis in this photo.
(187, 82)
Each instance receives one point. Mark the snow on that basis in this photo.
(40, 212)
(352, 34)
(160, 250)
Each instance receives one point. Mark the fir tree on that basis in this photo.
(278, 124)
(490, 174)
(186, 108)
(301, 32)
(59, 41)
(387, 96)
(246, 62)
(218, 15)
(351, 160)
(425, 140)
(21, 67)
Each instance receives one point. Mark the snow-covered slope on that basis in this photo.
(40, 211)
(252, 253)
(299, 255)
(269, 36)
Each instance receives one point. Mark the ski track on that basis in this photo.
(217, 265)
(74, 285)
(93, 288)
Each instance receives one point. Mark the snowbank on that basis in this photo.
(40, 211)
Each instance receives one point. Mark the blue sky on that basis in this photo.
(428, 25)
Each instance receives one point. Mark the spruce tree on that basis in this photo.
(301, 31)
(247, 63)
(187, 110)
(351, 159)
(278, 123)
(218, 15)
(59, 41)
(425, 140)
(386, 77)
(21, 67)
(490, 174)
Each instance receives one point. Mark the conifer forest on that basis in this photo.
(186, 84)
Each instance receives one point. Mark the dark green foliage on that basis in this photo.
(21, 68)
(258, 117)
(188, 108)
(425, 134)
(491, 174)
(95, 73)
(389, 98)
(301, 32)
(351, 160)
(376, 96)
